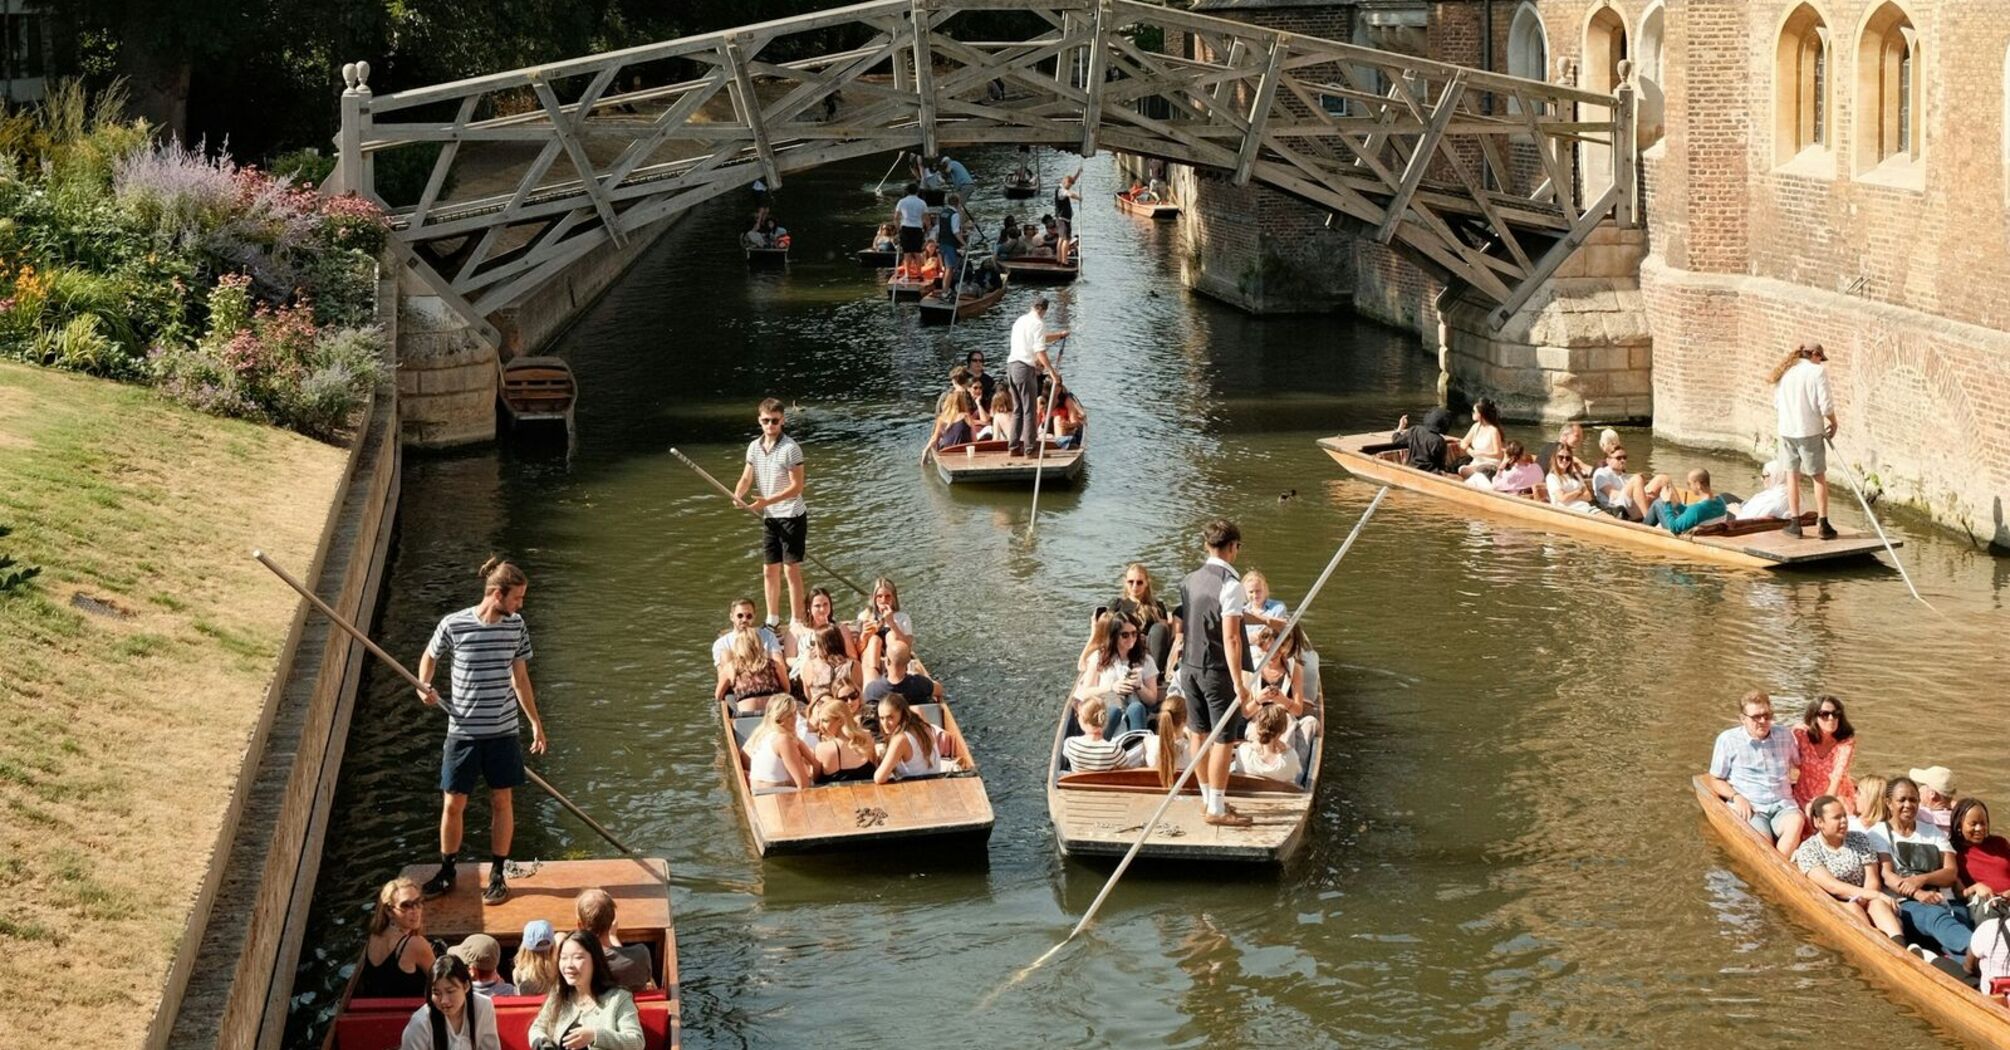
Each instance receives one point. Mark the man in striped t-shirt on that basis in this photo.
(775, 467)
(491, 678)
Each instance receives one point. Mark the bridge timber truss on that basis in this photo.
(1474, 174)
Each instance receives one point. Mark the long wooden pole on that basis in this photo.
(1187, 773)
(1850, 473)
(728, 493)
(1040, 462)
(897, 158)
(393, 663)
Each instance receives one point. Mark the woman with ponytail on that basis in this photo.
(454, 1017)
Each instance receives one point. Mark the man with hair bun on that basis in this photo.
(1807, 417)
(490, 680)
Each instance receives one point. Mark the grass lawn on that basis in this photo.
(123, 727)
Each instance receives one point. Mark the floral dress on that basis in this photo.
(1818, 763)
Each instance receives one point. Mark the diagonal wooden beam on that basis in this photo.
(442, 164)
(1420, 158)
(1546, 266)
(924, 77)
(1259, 112)
(1092, 117)
(564, 127)
(748, 105)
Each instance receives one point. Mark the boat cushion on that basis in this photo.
(377, 1024)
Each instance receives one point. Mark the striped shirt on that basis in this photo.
(1088, 754)
(771, 474)
(482, 699)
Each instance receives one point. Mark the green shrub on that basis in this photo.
(12, 579)
(307, 167)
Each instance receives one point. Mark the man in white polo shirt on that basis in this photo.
(910, 217)
(1022, 375)
(1807, 418)
(775, 462)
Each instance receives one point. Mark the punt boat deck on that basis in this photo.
(539, 390)
(1752, 545)
(987, 463)
(1034, 269)
(1157, 211)
(935, 308)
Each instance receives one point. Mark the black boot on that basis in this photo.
(442, 882)
(1825, 530)
(1792, 528)
(497, 890)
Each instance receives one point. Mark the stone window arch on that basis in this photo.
(1528, 44)
(1607, 50)
(1889, 91)
(1802, 75)
(1648, 72)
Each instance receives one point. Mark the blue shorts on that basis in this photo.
(497, 759)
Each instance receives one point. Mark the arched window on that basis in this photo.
(1528, 45)
(1647, 76)
(1605, 48)
(1801, 86)
(1888, 92)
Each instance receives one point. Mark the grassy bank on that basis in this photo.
(131, 675)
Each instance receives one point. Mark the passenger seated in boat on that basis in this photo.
(1567, 484)
(1001, 418)
(1119, 674)
(1279, 679)
(627, 964)
(884, 240)
(1982, 862)
(777, 758)
(767, 233)
(1936, 795)
(828, 669)
(1615, 491)
(1844, 864)
(1270, 753)
(1483, 442)
(909, 746)
(1751, 768)
(586, 1008)
(1571, 436)
(1091, 750)
(1827, 743)
(1429, 451)
(822, 613)
(899, 680)
(1136, 601)
(1140, 194)
(740, 613)
(1169, 748)
(1159, 191)
(1264, 611)
(1771, 499)
(396, 955)
(981, 278)
(752, 673)
(1870, 806)
(1032, 245)
(1519, 472)
(956, 424)
(880, 623)
(1702, 508)
(844, 751)
(1917, 864)
(534, 969)
(483, 954)
(454, 1017)
(1064, 424)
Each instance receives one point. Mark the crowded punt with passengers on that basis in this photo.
(1906, 855)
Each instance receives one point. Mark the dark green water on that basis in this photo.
(1506, 852)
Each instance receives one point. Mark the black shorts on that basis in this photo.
(498, 760)
(1210, 697)
(782, 539)
(912, 238)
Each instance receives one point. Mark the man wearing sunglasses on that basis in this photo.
(1751, 769)
(775, 464)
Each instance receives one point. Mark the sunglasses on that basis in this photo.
(1127, 634)
(1763, 716)
(409, 905)
(767, 421)
(743, 617)
(1828, 713)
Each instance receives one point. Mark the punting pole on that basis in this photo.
(880, 189)
(392, 662)
(728, 493)
(1187, 773)
(1040, 462)
(1856, 487)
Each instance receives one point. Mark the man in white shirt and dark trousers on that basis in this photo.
(1807, 418)
(910, 217)
(1022, 374)
(1214, 668)
(775, 466)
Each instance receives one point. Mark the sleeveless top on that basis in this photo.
(1200, 597)
(914, 763)
(863, 771)
(765, 763)
(385, 980)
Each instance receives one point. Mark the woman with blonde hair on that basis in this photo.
(880, 622)
(535, 968)
(844, 750)
(750, 673)
(396, 957)
(1137, 600)
(1170, 747)
(957, 424)
(778, 759)
(1871, 808)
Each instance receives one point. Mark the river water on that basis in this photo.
(1506, 851)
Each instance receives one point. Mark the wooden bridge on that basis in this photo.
(1476, 175)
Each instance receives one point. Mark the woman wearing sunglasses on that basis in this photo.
(397, 959)
(1828, 743)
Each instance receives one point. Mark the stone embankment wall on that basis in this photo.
(233, 973)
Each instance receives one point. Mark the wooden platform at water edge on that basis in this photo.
(859, 815)
(1101, 814)
(1949, 1003)
(987, 463)
(642, 916)
(1376, 458)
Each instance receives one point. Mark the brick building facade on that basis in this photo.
(1835, 170)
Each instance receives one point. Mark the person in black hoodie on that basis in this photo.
(1426, 441)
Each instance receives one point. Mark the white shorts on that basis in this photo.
(1803, 455)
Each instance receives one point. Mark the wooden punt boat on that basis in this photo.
(642, 903)
(1751, 545)
(1101, 814)
(1947, 1002)
(874, 259)
(539, 390)
(1043, 270)
(855, 814)
(1160, 211)
(935, 308)
(906, 289)
(1019, 190)
(986, 463)
(766, 258)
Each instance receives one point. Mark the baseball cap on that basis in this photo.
(537, 935)
(480, 951)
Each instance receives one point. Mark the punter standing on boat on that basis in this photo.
(910, 216)
(1807, 414)
(775, 463)
(1214, 665)
(490, 680)
(1066, 196)
(1022, 374)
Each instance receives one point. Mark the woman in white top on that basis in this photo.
(1279, 679)
(1264, 611)
(1270, 755)
(910, 746)
(777, 758)
(822, 613)
(586, 1008)
(1568, 487)
(879, 623)
(1169, 749)
(1484, 442)
(1120, 674)
(454, 1018)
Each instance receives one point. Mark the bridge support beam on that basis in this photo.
(1259, 111)
(924, 75)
